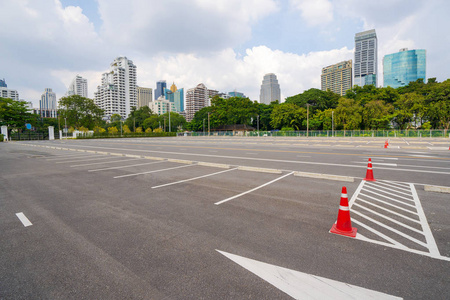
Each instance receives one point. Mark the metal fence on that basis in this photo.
(32, 135)
(329, 133)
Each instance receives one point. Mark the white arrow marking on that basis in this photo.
(305, 286)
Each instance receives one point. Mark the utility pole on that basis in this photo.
(164, 123)
(203, 126)
(170, 127)
(65, 122)
(257, 122)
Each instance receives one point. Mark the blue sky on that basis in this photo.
(225, 44)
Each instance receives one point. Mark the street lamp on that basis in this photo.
(332, 123)
(203, 126)
(307, 119)
(257, 122)
(65, 122)
(209, 127)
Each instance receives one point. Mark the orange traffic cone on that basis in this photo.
(343, 225)
(369, 173)
(386, 144)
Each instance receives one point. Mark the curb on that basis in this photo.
(207, 164)
(435, 188)
(262, 170)
(325, 176)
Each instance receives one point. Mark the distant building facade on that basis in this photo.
(47, 104)
(400, 68)
(160, 86)
(176, 96)
(236, 94)
(270, 89)
(117, 93)
(161, 106)
(78, 86)
(196, 99)
(337, 78)
(366, 58)
(144, 96)
(7, 93)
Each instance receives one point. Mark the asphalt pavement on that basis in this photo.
(222, 218)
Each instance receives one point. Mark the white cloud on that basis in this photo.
(314, 12)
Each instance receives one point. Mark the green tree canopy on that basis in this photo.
(288, 115)
(317, 99)
(80, 111)
(14, 113)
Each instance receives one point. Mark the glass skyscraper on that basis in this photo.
(400, 68)
(270, 89)
(175, 96)
(160, 86)
(366, 58)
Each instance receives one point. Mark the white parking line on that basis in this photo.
(128, 166)
(105, 162)
(252, 190)
(195, 178)
(155, 171)
(23, 219)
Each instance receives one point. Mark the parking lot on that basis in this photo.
(223, 218)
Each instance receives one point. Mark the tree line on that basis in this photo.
(417, 105)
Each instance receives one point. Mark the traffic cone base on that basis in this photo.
(346, 233)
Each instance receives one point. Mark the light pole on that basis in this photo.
(257, 122)
(332, 123)
(170, 127)
(307, 119)
(65, 122)
(164, 123)
(203, 126)
(121, 132)
(209, 127)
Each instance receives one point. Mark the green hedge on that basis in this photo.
(1, 137)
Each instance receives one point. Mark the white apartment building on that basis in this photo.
(78, 86)
(117, 93)
(8, 93)
(161, 105)
(196, 99)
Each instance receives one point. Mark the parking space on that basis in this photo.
(182, 223)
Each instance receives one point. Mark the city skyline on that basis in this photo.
(292, 38)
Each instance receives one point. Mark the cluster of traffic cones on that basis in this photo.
(343, 225)
(386, 144)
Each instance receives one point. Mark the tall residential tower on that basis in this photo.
(78, 86)
(196, 99)
(117, 93)
(400, 68)
(270, 89)
(337, 78)
(47, 104)
(366, 58)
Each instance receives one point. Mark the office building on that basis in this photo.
(236, 94)
(7, 93)
(196, 99)
(160, 86)
(270, 89)
(3, 83)
(47, 104)
(78, 86)
(161, 106)
(400, 68)
(366, 58)
(117, 93)
(176, 96)
(337, 78)
(144, 96)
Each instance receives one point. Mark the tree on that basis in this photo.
(348, 114)
(113, 130)
(126, 129)
(14, 113)
(80, 111)
(176, 120)
(151, 122)
(137, 117)
(288, 115)
(317, 99)
(377, 114)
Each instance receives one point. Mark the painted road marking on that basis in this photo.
(105, 162)
(73, 156)
(252, 190)
(376, 163)
(23, 219)
(191, 179)
(396, 215)
(128, 166)
(154, 171)
(302, 285)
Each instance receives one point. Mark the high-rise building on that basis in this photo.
(161, 105)
(78, 86)
(196, 99)
(270, 89)
(47, 104)
(176, 96)
(144, 96)
(337, 78)
(160, 86)
(366, 58)
(8, 93)
(236, 94)
(400, 68)
(117, 93)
